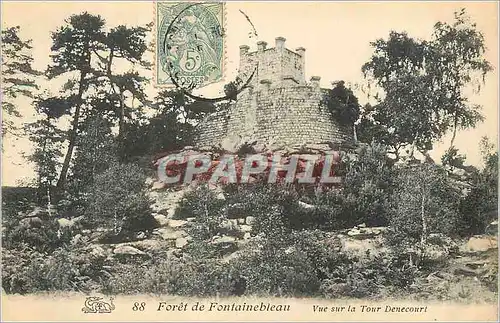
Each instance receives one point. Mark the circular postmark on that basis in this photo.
(193, 48)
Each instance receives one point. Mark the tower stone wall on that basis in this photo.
(277, 107)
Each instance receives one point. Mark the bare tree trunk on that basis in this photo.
(121, 120)
(423, 237)
(49, 205)
(73, 134)
(355, 134)
(455, 125)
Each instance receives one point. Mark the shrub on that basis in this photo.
(28, 271)
(424, 202)
(206, 208)
(187, 277)
(368, 277)
(479, 207)
(118, 200)
(39, 232)
(368, 185)
(278, 270)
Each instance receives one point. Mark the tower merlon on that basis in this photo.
(261, 46)
(301, 51)
(315, 80)
(244, 49)
(280, 43)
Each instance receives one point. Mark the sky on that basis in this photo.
(336, 36)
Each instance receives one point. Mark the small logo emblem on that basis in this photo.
(95, 304)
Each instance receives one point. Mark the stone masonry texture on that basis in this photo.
(277, 107)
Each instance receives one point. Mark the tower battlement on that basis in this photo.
(278, 105)
(277, 64)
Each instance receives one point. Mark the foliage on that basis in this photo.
(26, 270)
(368, 185)
(18, 75)
(170, 128)
(279, 270)
(96, 152)
(368, 278)
(425, 201)
(480, 205)
(48, 139)
(203, 204)
(83, 46)
(117, 201)
(38, 231)
(342, 104)
(423, 84)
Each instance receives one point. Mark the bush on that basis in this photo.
(187, 277)
(277, 269)
(118, 201)
(38, 231)
(424, 202)
(368, 185)
(28, 271)
(479, 207)
(206, 208)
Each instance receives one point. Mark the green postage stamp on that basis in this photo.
(189, 43)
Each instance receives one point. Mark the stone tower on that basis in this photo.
(277, 107)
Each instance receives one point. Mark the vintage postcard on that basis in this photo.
(181, 161)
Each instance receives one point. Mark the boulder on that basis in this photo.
(250, 220)
(158, 185)
(306, 206)
(353, 233)
(241, 221)
(161, 219)
(149, 181)
(436, 253)
(225, 244)
(365, 233)
(169, 234)
(176, 223)
(247, 236)
(229, 225)
(231, 143)
(152, 245)
(476, 264)
(128, 250)
(181, 242)
(223, 239)
(318, 147)
(96, 251)
(480, 244)
(67, 223)
(245, 228)
(464, 271)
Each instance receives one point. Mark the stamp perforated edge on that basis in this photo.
(155, 41)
